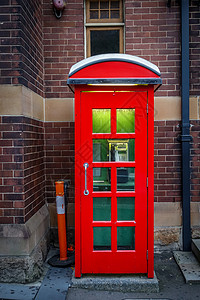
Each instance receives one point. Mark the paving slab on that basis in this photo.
(55, 284)
(18, 291)
(121, 283)
(189, 266)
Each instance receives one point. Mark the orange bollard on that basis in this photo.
(60, 205)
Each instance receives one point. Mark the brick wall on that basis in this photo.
(63, 46)
(195, 161)
(194, 47)
(59, 160)
(21, 55)
(167, 160)
(37, 50)
(22, 181)
(153, 32)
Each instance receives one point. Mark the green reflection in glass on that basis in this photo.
(125, 238)
(101, 120)
(101, 179)
(101, 209)
(102, 238)
(125, 179)
(125, 209)
(125, 120)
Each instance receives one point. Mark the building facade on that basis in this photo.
(37, 114)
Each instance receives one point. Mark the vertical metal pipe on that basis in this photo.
(185, 137)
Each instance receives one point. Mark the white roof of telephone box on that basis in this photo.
(113, 57)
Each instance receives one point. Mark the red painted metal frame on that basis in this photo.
(79, 210)
(78, 183)
(150, 136)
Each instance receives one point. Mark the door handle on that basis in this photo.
(86, 192)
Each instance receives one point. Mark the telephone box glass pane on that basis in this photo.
(113, 150)
(102, 238)
(101, 209)
(125, 238)
(126, 209)
(125, 120)
(101, 120)
(125, 179)
(101, 179)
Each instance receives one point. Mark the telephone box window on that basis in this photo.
(125, 208)
(125, 179)
(113, 150)
(101, 209)
(101, 120)
(101, 179)
(125, 120)
(125, 238)
(102, 238)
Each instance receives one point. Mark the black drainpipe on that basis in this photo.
(185, 137)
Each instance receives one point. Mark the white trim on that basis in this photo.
(103, 24)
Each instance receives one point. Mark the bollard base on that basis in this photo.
(56, 262)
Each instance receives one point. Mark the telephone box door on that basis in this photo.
(113, 174)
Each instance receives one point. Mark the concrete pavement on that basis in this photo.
(56, 285)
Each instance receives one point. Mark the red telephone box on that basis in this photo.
(114, 175)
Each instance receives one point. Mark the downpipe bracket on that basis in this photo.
(184, 138)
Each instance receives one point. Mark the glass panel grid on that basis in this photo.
(125, 208)
(126, 120)
(101, 179)
(94, 4)
(101, 120)
(104, 4)
(125, 179)
(101, 209)
(102, 238)
(125, 238)
(104, 9)
(113, 150)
